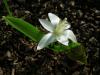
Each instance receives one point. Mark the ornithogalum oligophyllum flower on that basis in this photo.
(58, 31)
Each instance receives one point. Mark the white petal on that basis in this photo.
(63, 39)
(53, 18)
(46, 40)
(67, 26)
(71, 35)
(47, 25)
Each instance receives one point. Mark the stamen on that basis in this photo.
(60, 27)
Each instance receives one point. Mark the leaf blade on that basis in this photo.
(24, 27)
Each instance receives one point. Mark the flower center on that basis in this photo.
(60, 27)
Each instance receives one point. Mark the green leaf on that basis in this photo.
(7, 7)
(74, 51)
(24, 27)
(78, 53)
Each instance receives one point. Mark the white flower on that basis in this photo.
(58, 31)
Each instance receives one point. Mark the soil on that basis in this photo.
(18, 55)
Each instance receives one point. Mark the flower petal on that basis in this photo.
(46, 40)
(53, 18)
(46, 24)
(67, 26)
(71, 35)
(63, 39)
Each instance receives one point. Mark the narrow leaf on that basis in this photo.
(7, 7)
(24, 27)
(78, 53)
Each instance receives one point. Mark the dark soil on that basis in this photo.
(18, 55)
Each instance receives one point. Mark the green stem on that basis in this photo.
(7, 7)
